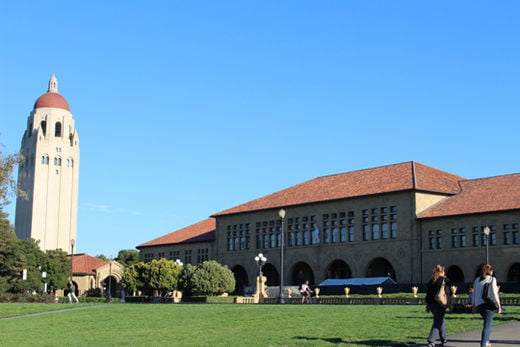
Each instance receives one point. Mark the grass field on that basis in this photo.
(224, 324)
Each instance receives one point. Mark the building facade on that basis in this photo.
(398, 221)
(49, 173)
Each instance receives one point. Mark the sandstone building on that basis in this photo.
(398, 220)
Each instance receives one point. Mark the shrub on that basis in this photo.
(212, 278)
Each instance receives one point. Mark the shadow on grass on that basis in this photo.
(337, 340)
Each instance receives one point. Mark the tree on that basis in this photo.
(127, 257)
(7, 186)
(57, 266)
(133, 276)
(185, 279)
(163, 275)
(8, 242)
(101, 256)
(212, 278)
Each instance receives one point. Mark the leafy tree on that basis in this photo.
(212, 278)
(57, 266)
(7, 186)
(30, 257)
(101, 256)
(185, 279)
(163, 275)
(8, 270)
(133, 277)
(127, 257)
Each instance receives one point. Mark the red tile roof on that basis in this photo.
(53, 100)
(86, 264)
(384, 179)
(198, 232)
(491, 194)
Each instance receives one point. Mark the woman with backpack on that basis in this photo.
(437, 285)
(486, 301)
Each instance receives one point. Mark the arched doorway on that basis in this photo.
(455, 274)
(338, 269)
(241, 279)
(380, 267)
(272, 275)
(513, 275)
(110, 285)
(301, 272)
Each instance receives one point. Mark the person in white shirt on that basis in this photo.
(485, 309)
(306, 291)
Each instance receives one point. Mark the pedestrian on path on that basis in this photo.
(72, 293)
(481, 304)
(438, 328)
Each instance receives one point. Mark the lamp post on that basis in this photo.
(72, 243)
(178, 262)
(487, 232)
(260, 261)
(281, 213)
(110, 280)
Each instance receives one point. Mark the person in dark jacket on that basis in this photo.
(439, 325)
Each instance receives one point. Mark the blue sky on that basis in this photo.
(187, 108)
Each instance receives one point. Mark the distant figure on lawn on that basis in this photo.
(306, 291)
(72, 292)
(437, 299)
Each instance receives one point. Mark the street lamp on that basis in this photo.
(281, 213)
(486, 232)
(72, 243)
(260, 261)
(110, 280)
(178, 262)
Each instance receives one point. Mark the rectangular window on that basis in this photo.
(273, 240)
(507, 238)
(291, 239)
(462, 241)
(351, 233)
(187, 257)
(375, 231)
(306, 237)
(315, 234)
(439, 242)
(266, 241)
(384, 231)
(326, 235)
(335, 235)
(366, 232)
(343, 234)
(432, 242)
(299, 238)
(476, 240)
(161, 255)
(454, 241)
(393, 230)
(516, 237)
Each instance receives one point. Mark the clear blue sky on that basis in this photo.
(187, 108)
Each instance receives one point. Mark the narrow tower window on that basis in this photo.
(57, 130)
(44, 126)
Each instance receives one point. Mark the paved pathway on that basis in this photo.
(50, 312)
(505, 335)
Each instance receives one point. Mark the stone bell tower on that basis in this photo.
(49, 174)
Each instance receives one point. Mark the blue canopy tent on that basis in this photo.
(360, 285)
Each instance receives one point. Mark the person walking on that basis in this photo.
(72, 292)
(485, 308)
(438, 328)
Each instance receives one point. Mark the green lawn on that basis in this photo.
(226, 324)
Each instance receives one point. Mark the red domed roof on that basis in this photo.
(53, 100)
